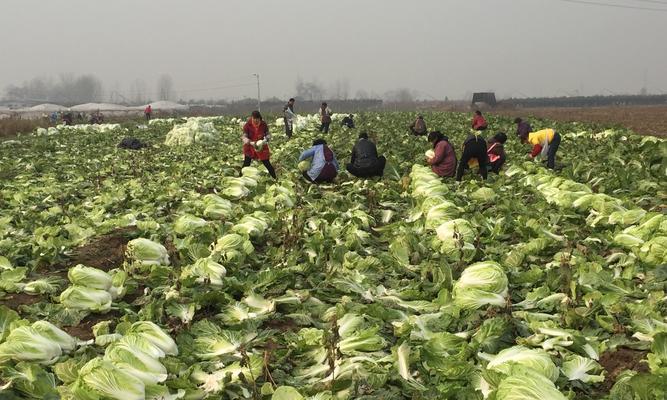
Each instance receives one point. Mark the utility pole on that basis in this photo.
(259, 99)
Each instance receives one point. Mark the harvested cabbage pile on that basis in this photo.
(194, 130)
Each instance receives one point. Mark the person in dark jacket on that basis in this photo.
(418, 128)
(325, 117)
(68, 118)
(478, 122)
(365, 160)
(496, 152)
(323, 165)
(523, 128)
(474, 147)
(443, 161)
(348, 121)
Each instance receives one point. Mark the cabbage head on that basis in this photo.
(536, 360)
(654, 252)
(483, 195)
(81, 275)
(187, 223)
(483, 283)
(85, 298)
(304, 165)
(527, 384)
(147, 252)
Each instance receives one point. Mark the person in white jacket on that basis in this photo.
(289, 116)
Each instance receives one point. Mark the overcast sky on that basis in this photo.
(436, 47)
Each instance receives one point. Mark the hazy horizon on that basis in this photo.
(436, 48)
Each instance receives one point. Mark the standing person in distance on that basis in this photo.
(323, 166)
(418, 128)
(289, 116)
(474, 148)
(523, 128)
(148, 112)
(325, 117)
(496, 152)
(365, 161)
(478, 121)
(255, 143)
(546, 143)
(442, 158)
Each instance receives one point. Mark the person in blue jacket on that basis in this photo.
(323, 166)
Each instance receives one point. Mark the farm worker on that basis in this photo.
(255, 142)
(365, 161)
(323, 166)
(348, 121)
(545, 142)
(67, 118)
(148, 111)
(418, 128)
(325, 117)
(523, 128)
(443, 158)
(288, 117)
(496, 152)
(478, 121)
(474, 148)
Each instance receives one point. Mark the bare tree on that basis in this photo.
(138, 90)
(69, 89)
(312, 91)
(401, 95)
(165, 87)
(361, 95)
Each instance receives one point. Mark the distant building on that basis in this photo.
(488, 98)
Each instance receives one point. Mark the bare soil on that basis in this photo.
(84, 330)
(621, 360)
(104, 252)
(644, 120)
(15, 300)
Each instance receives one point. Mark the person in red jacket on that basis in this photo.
(148, 111)
(478, 121)
(443, 162)
(255, 142)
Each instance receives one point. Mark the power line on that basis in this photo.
(599, 4)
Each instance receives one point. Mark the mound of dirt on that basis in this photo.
(615, 362)
(104, 252)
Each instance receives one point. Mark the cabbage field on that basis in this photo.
(163, 274)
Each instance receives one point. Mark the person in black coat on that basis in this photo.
(348, 121)
(365, 161)
(474, 147)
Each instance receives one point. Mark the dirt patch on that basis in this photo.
(282, 325)
(84, 329)
(204, 190)
(15, 300)
(645, 120)
(172, 251)
(615, 362)
(104, 252)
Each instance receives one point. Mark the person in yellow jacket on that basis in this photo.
(545, 142)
